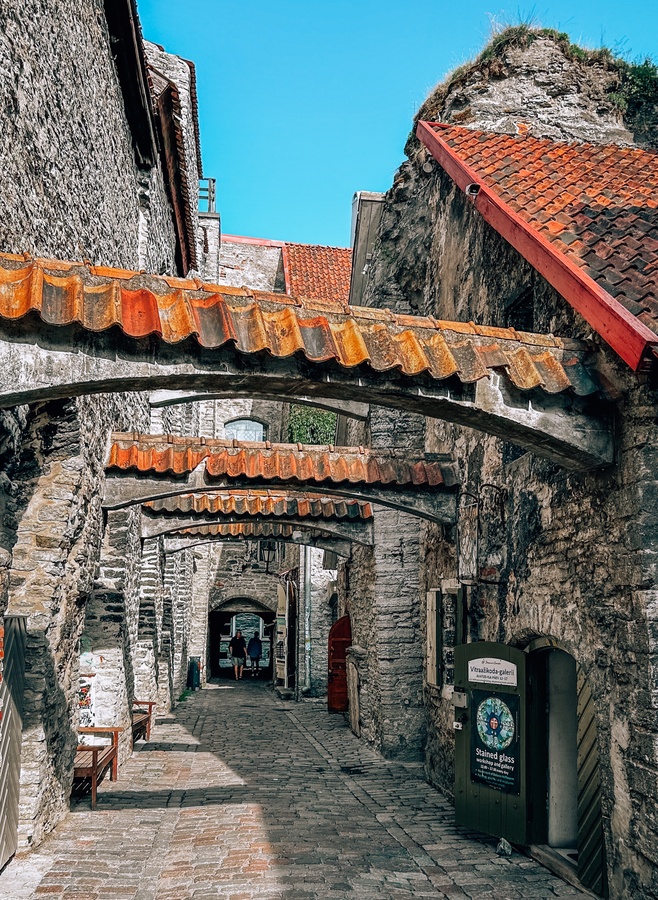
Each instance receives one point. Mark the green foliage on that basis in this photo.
(633, 91)
(637, 95)
(308, 425)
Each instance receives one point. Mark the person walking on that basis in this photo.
(255, 651)
(238, 650)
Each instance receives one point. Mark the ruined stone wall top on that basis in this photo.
(539, 83)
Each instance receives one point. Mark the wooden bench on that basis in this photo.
(92, 761)
(142, 719)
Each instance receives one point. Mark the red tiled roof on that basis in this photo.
(312, 271)
(318, 273)
(262, 503)
(252, 459)
(98, 298)
(593, 208)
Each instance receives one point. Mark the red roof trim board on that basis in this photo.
(629, 338)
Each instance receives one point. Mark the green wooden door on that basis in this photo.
(490, 740)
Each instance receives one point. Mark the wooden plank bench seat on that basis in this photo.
(142, 719)
(93, 761)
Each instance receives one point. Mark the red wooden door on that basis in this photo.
(340, 638)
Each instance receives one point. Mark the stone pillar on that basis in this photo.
(147, 646)
(111, 625)
(320, 621)
(177, 607)
(396, 656)
(198, 615)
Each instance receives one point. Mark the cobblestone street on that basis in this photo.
(240, 796)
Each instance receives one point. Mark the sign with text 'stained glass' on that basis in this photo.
(495, 745)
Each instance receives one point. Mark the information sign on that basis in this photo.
(486, 670)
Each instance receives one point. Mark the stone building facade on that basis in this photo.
(559, 559)
(89, 183)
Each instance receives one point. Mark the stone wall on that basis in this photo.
(257, 266)
(69, 181)
(380, 590)
(239, 573)
(56, 525)
(71, 189)
(568, 556)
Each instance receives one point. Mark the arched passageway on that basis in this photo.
(563, 742)
(249, 616)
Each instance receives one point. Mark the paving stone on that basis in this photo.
(240, 797)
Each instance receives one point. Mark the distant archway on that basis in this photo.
(248, 614)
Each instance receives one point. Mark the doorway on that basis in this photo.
(565, 801)
(340, 638)
(222, 625)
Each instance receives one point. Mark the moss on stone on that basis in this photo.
(632, 91)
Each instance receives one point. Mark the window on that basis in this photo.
(446, 627)
(520, 310)
(245, 430)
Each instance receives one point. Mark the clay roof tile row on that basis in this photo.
(240, 529)
(97, 299)
(319, 273)
(260, 503)
(252, 459)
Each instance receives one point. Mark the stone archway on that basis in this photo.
(222, 619)
(532, 390)
(563, 742)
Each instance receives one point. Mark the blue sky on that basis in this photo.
(302, 103)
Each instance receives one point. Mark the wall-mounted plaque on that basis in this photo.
(492, 671)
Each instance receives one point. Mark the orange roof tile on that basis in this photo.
(262, 503)
(98, 298)
(318, 273)
(241, 529)
(252, 459)
(596, 205)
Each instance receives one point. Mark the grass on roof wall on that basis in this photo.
(635, 93)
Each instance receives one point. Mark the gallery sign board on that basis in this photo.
(491, 670)
(490, 739)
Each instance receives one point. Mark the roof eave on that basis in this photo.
(626, 335)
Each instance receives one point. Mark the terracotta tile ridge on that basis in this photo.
(528, 138)
(318, 246)
(184, 441)
(161, 285)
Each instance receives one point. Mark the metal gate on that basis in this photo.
(11, 729)
(340, 638)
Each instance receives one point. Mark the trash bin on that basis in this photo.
(194, 673)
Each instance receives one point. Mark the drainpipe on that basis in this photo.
(307, 619)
